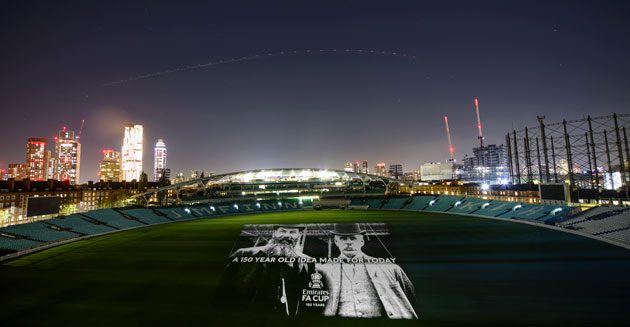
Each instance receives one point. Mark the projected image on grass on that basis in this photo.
(343, 269)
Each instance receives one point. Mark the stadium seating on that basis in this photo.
(38, 231)
(608, 222)
(420, 202)
(178, 213)
(357, 201)
(396, 202)
(467, 205)
(374, 203)
(443, 203)
(17, 244)
(78, 224)
(496, 208)
(146, 216)
(112, 218)
(622, 235)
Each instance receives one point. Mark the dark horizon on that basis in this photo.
(564, 60)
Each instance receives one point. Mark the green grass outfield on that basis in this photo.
(467, 271)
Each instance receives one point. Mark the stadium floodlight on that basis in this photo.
(458, 203)
(555, 211)
(516, 207)
(483, 206)
(213, 208)
(485, 187)
(258, 205)
(432, 203)
(187, 210)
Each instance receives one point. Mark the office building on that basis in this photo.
(17, 171)
(37, 159)
(159, 162)
(438, 171)
(132, 152)
(395, 171)
(110, 169)
(67, 159)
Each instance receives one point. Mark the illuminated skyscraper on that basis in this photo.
(36, 159)
(132, 152)
(379, 169)
(365, 168)
(348, 167)
(67, 161)
(395, 171)
(19, 171)
(50, 165)
(110, 168)
(159, 163)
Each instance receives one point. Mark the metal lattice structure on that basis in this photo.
(270, 182)
(589, 153)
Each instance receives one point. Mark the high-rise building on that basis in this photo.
(132, 152)
(159, 162)
(36, 159)
(438, 171)
(379, 169)
(110, 168)
(355, 167)
(50, 165)
(395, 171)
(3, 174)
(348, 167)
(487, 165)
(67, 161)
(365, 168)
(19, 171)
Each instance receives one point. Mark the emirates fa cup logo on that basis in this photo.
(316, 281)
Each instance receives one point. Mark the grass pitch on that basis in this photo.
(466, 271)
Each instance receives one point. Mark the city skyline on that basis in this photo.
(520, 60)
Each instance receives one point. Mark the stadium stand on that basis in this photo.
(420, 202)
(16, 244)
(146, 216)
(179, 213)
(396, 202)
(467, 205)
(603, 222)
(608, 222)
(39, 231)
(496, 208)
(112, 218)
(374, 203)
(443, 203)
(78, 224)
(357, 202)
(622, 235)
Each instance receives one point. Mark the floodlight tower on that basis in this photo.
(480, 137)
(451, 148)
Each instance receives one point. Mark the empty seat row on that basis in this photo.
(78, 224)
(113, 218)
(38, 231)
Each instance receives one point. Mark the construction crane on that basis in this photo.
(480, 137)
(81, 129)
(451, 148)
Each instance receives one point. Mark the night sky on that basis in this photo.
(565, 59)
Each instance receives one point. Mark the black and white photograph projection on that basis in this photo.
(342, 269)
